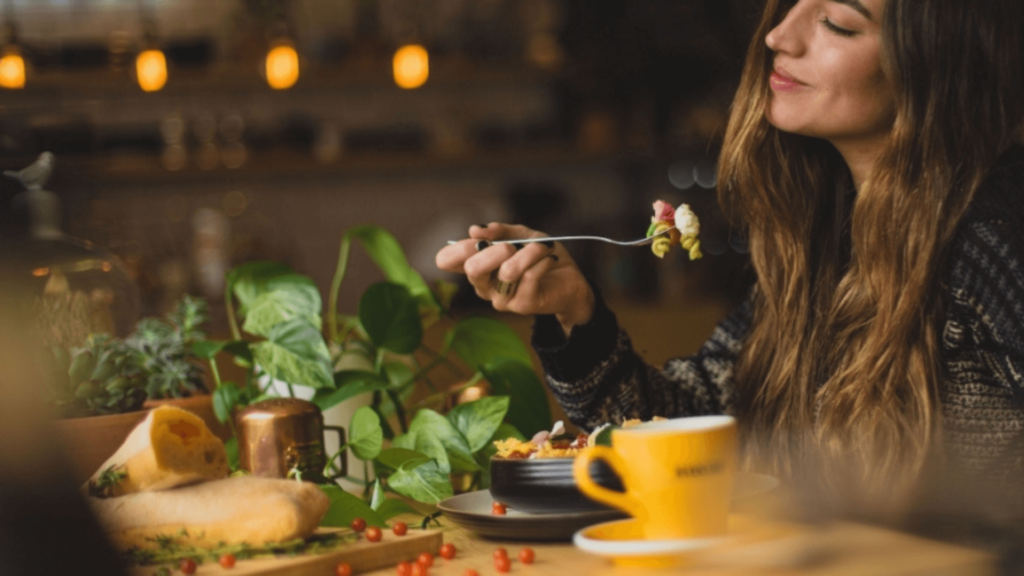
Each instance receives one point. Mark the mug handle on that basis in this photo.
(343, 457)
(586, 484)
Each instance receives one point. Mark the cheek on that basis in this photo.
(861, 93)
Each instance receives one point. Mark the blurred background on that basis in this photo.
(194, 135)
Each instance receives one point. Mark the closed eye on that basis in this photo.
(836, 29)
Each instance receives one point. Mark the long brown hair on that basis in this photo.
(838, 374)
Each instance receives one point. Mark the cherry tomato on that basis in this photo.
(500, 553)
(426, 559)
(470, 572)
(404, 569)
(419, 570)
(373, 534)
(447, 551)
(358, 524)
(498, 509)
(343, 569)
(187, 565)
(227, 560)
(502, 564)
(400, 528)
(526, 555)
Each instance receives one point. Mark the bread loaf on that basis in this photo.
(170, 447)
(231, 511)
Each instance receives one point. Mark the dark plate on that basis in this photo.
(472, 511)
(546, 485)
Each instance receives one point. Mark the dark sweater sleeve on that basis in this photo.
(982, 392)
(597, 377)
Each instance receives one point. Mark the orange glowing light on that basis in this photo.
(151, 70)
(282, 67)
(40, 272)
(12, 68)
(411, 66)
(106, 266)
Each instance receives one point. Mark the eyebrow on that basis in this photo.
(856, 5)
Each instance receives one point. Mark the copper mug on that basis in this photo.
(281, 436)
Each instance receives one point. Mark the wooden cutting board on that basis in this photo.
(361, 555)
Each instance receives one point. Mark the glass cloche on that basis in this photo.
(80, 289)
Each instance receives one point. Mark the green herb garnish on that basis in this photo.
(103, 487)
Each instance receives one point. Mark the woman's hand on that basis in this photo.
(536, 278)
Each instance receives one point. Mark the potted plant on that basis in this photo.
(102, 389)
(410, 435)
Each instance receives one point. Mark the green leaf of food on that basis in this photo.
(477, 420)
(481, 341)
(365, 434)
(391, 318)
(604, 437)
(347, 507)
(350, 383)
(296, 353)
(225, 398)
(528, 409)
(396, 457)
(429, 425)
(249, 280)
(387, 253)
(390, 508)
(285, 298)
(424, 483)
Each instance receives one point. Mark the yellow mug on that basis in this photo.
(678, 475)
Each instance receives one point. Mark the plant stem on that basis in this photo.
(451, 365)
(216, 373)
(339, 274)
(441, 395)
(423, 372)
(399, 410)
(232, 322)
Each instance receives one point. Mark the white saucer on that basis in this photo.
(589, 539)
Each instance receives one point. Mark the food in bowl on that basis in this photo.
(544, 444)
(536, 477)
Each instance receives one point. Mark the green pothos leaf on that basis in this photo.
(295, 353)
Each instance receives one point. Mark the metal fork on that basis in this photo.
(520, 241)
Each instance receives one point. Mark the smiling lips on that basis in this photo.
(782, 83)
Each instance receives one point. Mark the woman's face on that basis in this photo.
(827, 80)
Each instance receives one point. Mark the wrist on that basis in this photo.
(580, 312)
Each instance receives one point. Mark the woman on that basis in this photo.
(871, 160)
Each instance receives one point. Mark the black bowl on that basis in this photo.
(546, 485)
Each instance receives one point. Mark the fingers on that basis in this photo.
(530, 297)
(453, 258)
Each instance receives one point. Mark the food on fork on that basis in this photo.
(682, 226)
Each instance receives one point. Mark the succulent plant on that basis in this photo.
(164, 350)
(101, 377)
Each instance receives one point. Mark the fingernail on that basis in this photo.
(482, 245)
(549, 243)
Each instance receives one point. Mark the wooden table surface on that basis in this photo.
(836, 550)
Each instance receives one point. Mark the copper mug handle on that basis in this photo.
(343, 456)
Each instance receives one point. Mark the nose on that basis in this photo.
(787, 36)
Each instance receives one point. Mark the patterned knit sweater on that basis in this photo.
(597, 376)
